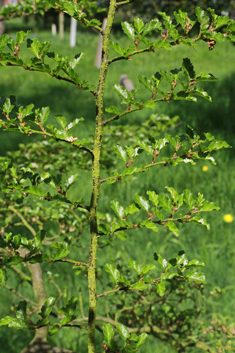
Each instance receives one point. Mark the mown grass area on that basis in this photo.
(214, 247)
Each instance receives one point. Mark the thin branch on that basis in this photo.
(124, 2)
(22, 274)
(110, 292)
(144, 169)
(27, 225)
(72, 262)
(118, 58)
(58, 77)
(20, 295)
(129, 111)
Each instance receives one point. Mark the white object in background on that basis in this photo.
(53, 29)
(98, 57)
(61, 25)
(73, 32)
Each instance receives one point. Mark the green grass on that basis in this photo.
(214, 247)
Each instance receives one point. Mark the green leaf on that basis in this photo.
(3, 276)
(118, 48)
(104, 228)
(121, 153)
(47, 307)
(200, 92)
(151, 26)
(173, 228)
(142, 339)
(113, 271)
(195, 276)
(63, 252)
(194, 263)
(128, 29)
(165, 203)
(42, 114)
(182, 258)
(131, 170)
(142, 202)
(189, 199)
(149, 104)
(190, 132)
(70, 180)
(153, 197)
(217, 145)
(74, 123)
(139, 25)
(123, 332)
(78, 57)
(205, 77)
(21, 310)
(12, 322)
(150, 225)
(118, 209)
(173, 193)
(160, 260)
(70, 307)
(161, 288)
(121, 224)
(55, 328)
(131, 209)
(34, 190)
(202, 18)
(4, 39)
(61, 120)
(7, 106)
(113, 110)
(169, 275)
(35, 46)
(136, 266)
(108, 333)
(124, 280)
(160, 44)
(188, 69)
(199, 220)
(37, 240)
(148, 268)
(146, 147)
(209, 206)
(122, 92)
(140, 286)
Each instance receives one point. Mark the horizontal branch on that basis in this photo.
(110, 292)
(83, 264)
(118, 58)
(128, 111)
(143, 170)
(20, 295)
(58, 77)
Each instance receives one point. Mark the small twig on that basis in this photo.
(20, 295)
(27, 225)
(72, 262)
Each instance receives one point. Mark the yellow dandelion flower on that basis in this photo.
(228, 218)
(205, 168)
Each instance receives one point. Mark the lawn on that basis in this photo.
(217, 183)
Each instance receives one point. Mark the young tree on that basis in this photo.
(38, 175)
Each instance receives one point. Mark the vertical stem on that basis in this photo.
(95, 180)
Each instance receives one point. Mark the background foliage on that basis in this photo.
(215, 249)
